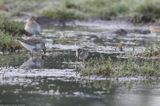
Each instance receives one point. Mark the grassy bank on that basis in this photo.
(141, 11)
(66, 10)
(86, 9)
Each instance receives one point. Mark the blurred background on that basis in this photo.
(137, 11)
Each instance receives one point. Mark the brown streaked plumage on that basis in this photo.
(32, 26)
(154, 29)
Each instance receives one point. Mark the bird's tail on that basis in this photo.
(44, 50)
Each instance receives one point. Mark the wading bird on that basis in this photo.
(32, 26)
(82, 54)
(154, 29)
(120, 46)
(33, 45)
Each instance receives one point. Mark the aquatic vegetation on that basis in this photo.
(94, 66)
(120, 68)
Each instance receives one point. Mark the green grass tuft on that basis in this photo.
(8, 42)
(98, 66)
(121, 68)
(11, 27)
(9, 30)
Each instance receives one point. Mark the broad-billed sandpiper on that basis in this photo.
(32, 26)
(33, 44)
(82, 54)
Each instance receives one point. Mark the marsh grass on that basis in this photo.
(8, 43)
(140, 11)
(68, 10)
(95, 67)
(121, 68)
(9, 30)
(152, 49)
(150, 9)
(11, 27)
(64, 14)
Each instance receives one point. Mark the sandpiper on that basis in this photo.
(154, 29)
(32, 26)
(33, 44)
(120, 46)
(82, 54)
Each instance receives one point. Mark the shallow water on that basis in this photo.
(47, 90)
(54, 80)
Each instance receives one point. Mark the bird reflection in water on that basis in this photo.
(34, 62)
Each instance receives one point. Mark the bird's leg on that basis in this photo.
(44, 50)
